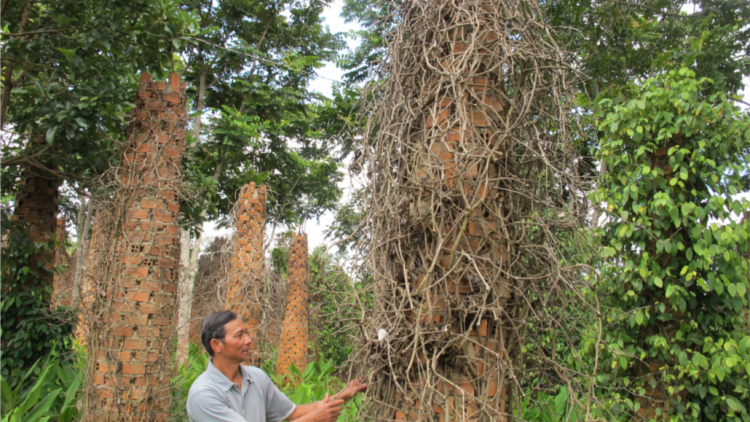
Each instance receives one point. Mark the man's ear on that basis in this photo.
(215, 343)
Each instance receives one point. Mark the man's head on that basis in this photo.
(223, 333)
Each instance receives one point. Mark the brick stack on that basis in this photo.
(246, 269)
(36, 211)
(211, 270)
(293, 345)
(131, 346)
(455, 162)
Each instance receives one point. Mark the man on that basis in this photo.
(231, 392)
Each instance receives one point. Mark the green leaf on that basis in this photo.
(42, 407)
(51, 134)
(7, 396)
(67, 53)
(735, 404)
(741, 289)
(658, 282)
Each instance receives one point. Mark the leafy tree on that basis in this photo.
(69, 77)
(676, 272)
(68, 80)
(253, 71)
(618, 41)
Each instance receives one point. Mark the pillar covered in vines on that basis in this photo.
(470, 159)
(132, 325)
(246, 262)
(294, 342)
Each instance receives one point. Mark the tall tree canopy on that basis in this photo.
(253, 72)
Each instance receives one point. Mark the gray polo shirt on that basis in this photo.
(214, 398)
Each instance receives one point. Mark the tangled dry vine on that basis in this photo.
(473, 192)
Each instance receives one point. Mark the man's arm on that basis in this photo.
(326, 410)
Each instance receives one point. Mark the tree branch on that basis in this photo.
(23, 34)
(655, 10)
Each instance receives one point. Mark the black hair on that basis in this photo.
(213, 328)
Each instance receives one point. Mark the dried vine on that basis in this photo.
(473, 191)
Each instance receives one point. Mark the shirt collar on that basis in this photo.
(225, 383)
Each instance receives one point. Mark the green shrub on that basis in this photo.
(676, 272)
(53, 395)
(547, 408)
(31, 328)
(318, 380)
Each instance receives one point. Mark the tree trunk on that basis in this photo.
(8, 74)
(186, 299)
(85, 217)
(201, 101)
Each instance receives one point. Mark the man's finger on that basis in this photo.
(325, 399)
(334, 403)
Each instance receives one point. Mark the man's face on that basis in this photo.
(236, 345)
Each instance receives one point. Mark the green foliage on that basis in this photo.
(265, 126)
(547, 408)
(52, 396)
(312, 385)
(31, 329)
(347, 221)
(675, 249)
(614, 42)
(74, 80)
(340, 302)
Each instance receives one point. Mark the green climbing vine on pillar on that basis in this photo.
(675, 244)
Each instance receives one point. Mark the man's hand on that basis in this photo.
(351, 390)
(326, 410)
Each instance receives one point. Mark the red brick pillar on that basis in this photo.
(132, 344)
(293, 346)
(36, 211)
(247, 261)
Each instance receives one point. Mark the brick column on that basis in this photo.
(36, 211)
(295, 334)
(247, 261)
(132, 343)
(211, 271)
